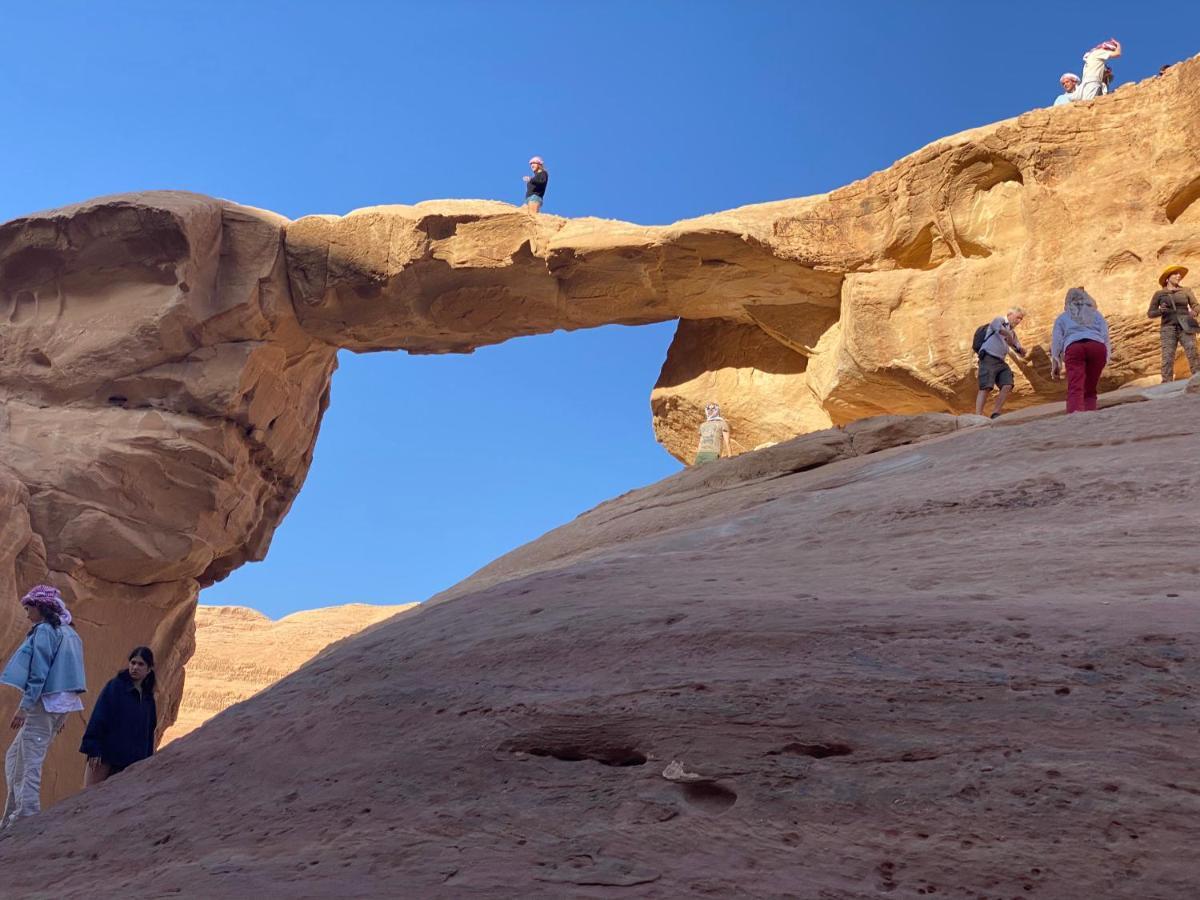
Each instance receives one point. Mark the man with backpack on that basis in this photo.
(992, 342)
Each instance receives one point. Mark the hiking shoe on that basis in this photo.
(995, 415)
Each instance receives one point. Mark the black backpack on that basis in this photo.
(982, 333)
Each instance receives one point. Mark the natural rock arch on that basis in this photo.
(165, 358)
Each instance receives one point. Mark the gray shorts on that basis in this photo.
(993, 372)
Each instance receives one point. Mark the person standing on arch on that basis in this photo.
(1095, 61)
(714, 436)
(535, 184)
(48, 671)
(1176, 306)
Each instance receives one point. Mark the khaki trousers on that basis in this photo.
(23, 763)
(1171, 336)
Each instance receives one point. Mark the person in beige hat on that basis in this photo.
(1176, 306)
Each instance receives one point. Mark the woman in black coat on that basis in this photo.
(121, 730)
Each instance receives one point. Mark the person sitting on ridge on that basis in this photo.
(1094, 63)
(993, 370)
(714, 436)
(1070, 86)
(535, 184)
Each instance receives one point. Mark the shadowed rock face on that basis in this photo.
(165, 358)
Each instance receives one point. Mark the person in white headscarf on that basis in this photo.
(1070, 86)
(1079, 344)
(714, 436)
(48, 671)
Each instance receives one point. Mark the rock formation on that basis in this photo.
(797, 673)
(165, 358)
(240, 652)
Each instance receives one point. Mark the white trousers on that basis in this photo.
(23, 763)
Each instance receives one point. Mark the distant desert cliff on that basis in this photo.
(239, 652)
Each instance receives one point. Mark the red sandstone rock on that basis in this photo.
(965, 667)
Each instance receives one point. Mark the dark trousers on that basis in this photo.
(1085, 361)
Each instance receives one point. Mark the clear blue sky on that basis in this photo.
(429, 467)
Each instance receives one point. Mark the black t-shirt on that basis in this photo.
(537, 183)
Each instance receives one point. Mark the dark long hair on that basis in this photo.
(49, 616)
(147, 656)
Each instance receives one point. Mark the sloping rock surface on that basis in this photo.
(165, 358)
(239, 652)
(962, 667)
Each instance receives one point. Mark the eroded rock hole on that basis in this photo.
(709, 796)
(816, 751)
(607, 756)
(1183, 200)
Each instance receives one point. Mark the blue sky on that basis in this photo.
(429, 467)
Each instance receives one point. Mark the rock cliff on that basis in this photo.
(165, 358)
(902, 659)
(240, 652)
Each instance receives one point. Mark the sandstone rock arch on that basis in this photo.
(165, 358)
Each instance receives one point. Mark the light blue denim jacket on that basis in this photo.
(49, 660)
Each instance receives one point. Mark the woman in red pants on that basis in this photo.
(1080, 344)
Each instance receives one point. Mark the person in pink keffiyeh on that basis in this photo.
(49, 602)
(1095, 61)
(48, 671)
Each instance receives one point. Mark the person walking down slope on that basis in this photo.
(1178, 309)
(994, 371)
(48, 671)
(1079, 343)
(1095, 61)
(714, 436)
(1070, 86)
(535, 184)
(121, 729)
